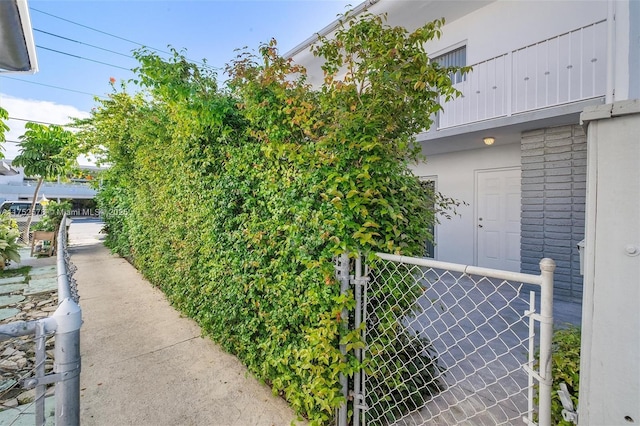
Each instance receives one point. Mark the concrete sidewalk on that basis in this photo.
(144, 364)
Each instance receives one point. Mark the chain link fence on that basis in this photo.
(450, 344)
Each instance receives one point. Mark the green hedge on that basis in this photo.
(235, 200)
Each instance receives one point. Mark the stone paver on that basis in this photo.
(25, 415)
(10, 300)
(41, 285)
(8, 313)
(38, 272)
(12, 280)
(12, 288)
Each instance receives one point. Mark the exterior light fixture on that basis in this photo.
(489, 141)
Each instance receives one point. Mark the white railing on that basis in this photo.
(567, 68)
(50, 190)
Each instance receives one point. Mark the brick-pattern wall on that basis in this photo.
(554, 166)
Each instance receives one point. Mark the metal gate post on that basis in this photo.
(41, 339)
(357, 385)
(67, 363)
(344, 381)
(547, 266)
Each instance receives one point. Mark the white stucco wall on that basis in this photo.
(12, 178)
(610, 351)
(455, 177)
(503, 26)
(488, 29)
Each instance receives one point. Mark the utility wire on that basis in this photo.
(111, 35)
(52, 86)
(96, 30)
(40, 122)
(86, 44)
(82, 57)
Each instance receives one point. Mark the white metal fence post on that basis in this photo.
(41, 339)
(344, 381)
(67, 363)
(68, 316)
(547, 266)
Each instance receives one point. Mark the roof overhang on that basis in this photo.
(410, 14)
(6, 169)
(17, 46)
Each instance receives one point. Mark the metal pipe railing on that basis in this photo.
(65, 323)
(67, 344)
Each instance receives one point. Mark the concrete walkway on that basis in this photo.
(144, 364)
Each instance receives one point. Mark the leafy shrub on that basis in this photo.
(43, 225)
(235, 201)
(9, 234)
(53, 215)
(565, 359)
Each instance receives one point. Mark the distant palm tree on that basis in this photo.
(45, 152)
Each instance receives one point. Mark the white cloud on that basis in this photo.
(37, 111)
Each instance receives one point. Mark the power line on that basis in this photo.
(82, 57)
(111, 35)
(40, 122)
(96, 30)
(85, 44)
(52, 86)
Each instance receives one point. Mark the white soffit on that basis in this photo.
(17, 46)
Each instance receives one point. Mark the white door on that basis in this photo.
(498, 219)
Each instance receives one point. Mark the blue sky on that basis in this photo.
(205, 29)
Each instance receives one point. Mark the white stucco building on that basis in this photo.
(556, 84)
(18, 187)
(536, 66)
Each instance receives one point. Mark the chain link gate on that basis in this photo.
(448, 344)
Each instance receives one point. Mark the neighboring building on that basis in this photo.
(536, 66)
(18, 187)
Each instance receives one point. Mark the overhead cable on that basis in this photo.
(52, 86)
(40, 122)
(82, 57)
(86, 44)
(111, 35)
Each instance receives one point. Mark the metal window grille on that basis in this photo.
(454, 58)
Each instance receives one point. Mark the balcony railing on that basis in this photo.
(568, 68)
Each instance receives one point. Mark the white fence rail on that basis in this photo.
(450, 344)
(567, 68)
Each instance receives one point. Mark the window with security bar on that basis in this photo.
(454, 58)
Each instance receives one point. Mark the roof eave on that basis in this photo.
(18, 40)
(327, 30)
